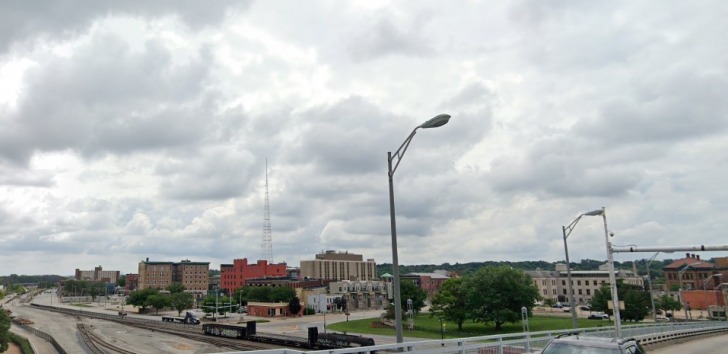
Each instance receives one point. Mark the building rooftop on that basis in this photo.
(431, 275)
(690, 259)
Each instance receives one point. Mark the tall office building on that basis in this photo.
(334, 265)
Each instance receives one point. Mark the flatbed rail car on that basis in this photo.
(189, 318)
(315, 340)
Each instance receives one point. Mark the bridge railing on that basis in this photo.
(526, 342)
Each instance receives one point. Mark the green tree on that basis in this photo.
(121, 281)
(410, 290)
(636, 301)
(281, 294)
(449, 303)
(76, 287)
(4, 331)
(257, 293)
(96, 289)
(667, 303)
(238, 298)
(158, 301)
(139, 298)
(294, 306)
(181, 302)
(222, 303)
(549, 302)
(498, 294)
(175, 288)
(601, 299)
(2, 294)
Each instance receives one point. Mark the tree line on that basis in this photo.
(585, 264)
(175, 298)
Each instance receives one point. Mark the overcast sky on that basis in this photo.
(141, 129)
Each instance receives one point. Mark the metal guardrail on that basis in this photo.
(528, 342)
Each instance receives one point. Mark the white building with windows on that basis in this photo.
(554, 284)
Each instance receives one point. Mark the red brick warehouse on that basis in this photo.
(233, 276)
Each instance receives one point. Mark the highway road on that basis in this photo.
(714, 344)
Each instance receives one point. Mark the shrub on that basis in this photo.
(22, 342)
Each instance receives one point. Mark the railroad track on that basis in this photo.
(95, 343)
(192, 334)
(238, 344)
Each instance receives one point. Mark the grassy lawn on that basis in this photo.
(426, 327)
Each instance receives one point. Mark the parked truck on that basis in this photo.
(189, 318)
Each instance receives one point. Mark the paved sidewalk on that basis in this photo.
(40, 345)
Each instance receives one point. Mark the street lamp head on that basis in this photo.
(594, 212)
(437, 121)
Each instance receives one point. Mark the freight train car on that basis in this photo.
(223, 330)
(315, 340)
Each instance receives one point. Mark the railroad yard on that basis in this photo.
(81, 334)
(98, 328)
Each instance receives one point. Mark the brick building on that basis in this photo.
(194, 276)
(692, 273)
(698, 281)
(98, 275)
(233, 276)
(132, 282)
(429, 282)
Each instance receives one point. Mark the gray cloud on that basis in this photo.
(141, 130)
(680, 105)
(106, 98)
(23, 21)
(384, 38)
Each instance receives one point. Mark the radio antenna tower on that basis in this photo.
(267, 245)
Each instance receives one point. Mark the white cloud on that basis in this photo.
(139, 130)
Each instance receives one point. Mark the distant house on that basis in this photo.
(270, 309)
(429, 282)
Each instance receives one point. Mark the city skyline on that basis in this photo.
(135, 130)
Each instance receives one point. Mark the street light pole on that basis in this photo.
(612, 279)
(435, 122)
(682, 295)
(566, 232)
(649, 281)
(705, 291)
